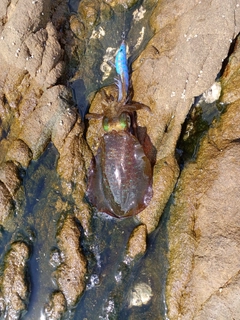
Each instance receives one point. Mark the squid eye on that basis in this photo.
(105, 124)
(125, 120)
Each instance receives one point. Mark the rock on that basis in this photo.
(14, 284)
(44, 121)
(70, 275)
(165, 175)
(45, 63)
(9, 175)
(230, 78)
(56, 308)
(33, 112)
(204, 223)
(19, 153)
(32, 109)
(202, 232)
(137, 242)
(224, 304)
(72, 169)
(184, 72)
(140, 295)
(89, 11)
(77, 27)
(6, 203)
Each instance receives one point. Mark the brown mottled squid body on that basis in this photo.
(120, 175)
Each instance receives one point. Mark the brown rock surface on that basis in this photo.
(9, 176)
(14, 283)
(33, 112)
(57, 306)
(204, 223)
(137, 242)
(72, 169)
(6, 204)
(51, 113)
(19, 153)
(70, 275)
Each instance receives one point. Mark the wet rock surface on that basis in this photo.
(33, 112)
(72, 169)
(204, 242)
(70, 275)
(14, 282)
(180, 47)
(56, 308)
(137, 243)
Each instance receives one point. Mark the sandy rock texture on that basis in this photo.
(70, 275)
(180, 62)
(137, 243)
(34, 110)
(56, 308)
(14, 282)
(204, 222)
(72, 169)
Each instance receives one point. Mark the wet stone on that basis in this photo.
(51, 110)
(89, 11)
(204, 221)
(141, 294)
(19, 152)
(77, 27)
(14, 284)
(9, 175)
(70, 275)
(72, 169)
(6, 204)
(56, 307)
(137, 242)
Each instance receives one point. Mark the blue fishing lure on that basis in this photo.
(121, 66)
